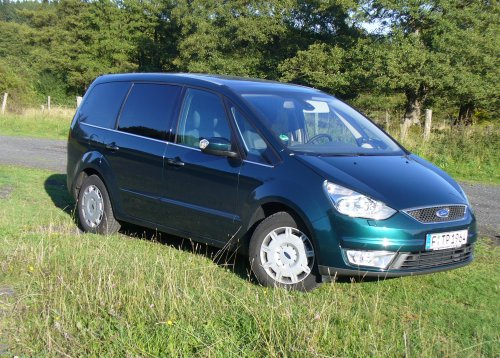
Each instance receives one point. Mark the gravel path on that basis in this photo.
(51, 154)
(34, 153)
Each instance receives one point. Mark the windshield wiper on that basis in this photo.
(338, 154)
(354, 154)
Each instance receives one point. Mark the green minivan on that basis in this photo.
(299, 181)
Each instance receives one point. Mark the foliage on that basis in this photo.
(15, 75)
(470, 39)
(435, 49)
(20, 91)
(321, 65)
(75, 42)
(432, 52)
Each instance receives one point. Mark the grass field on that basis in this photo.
(126, 295)
(34, 123)
(469, 154)
(466, 153)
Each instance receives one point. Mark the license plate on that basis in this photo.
(446, 240)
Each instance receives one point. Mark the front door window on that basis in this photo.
(202, 116)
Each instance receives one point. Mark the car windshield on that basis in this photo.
(318, 124)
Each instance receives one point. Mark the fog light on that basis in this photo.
(379, 259)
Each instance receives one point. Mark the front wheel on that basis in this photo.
(94, 208)
(281, 254)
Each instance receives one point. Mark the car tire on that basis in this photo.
(282, 255)
(95, 212)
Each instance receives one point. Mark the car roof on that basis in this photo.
(233, 83)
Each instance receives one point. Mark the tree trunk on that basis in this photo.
(412, 112)
(413, 107)
(465, 114)
(414, 100)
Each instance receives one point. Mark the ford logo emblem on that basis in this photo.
(443, 213)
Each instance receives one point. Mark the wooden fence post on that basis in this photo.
(386, 120)
(4, 102)
(48, 103)
(428, 124)
(405, 126)
(78, 101)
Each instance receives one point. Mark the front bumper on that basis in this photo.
(401, 234)
(410, 263)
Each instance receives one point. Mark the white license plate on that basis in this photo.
(446, 240)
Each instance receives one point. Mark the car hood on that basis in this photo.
(399, 181)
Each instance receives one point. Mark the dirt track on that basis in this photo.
(51, 155)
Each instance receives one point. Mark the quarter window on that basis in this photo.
(149, 109)
(103, 103)
(255, 146)
(203, 116)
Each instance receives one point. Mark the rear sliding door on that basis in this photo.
(136, 147)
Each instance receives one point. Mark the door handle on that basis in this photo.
(112, 147)
(176, 162)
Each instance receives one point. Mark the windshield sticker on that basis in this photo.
(284, 138)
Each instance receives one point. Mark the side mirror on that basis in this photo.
(217, 146)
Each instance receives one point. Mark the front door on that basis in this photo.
(201, 189)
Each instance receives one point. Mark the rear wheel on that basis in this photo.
(94, 208)
(281, 254)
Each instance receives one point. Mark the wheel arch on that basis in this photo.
(94, 163)
(270, 207)
(82, 175)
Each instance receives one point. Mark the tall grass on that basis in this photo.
(467, 153)
(123, 295)
(35, 123)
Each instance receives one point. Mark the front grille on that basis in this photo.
(429, 215)
(430, 259)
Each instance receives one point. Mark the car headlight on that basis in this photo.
(354, 204)
(379, 259)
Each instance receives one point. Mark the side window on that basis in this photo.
(149, 109)
(202, 116)
(255, 146)
(103, 104)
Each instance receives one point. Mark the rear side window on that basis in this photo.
(149, 109)
(103, 104)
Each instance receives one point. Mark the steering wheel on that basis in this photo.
(321, 135)
(371, 143)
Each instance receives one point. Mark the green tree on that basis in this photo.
(321, 66)
(322, 36)
(434, 48)
(468, 35)
(154, 33)
(15, 72)
(235, 38)
(76, 41)
(403, 57)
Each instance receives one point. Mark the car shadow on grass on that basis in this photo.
(55, 187)
(228, 259)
